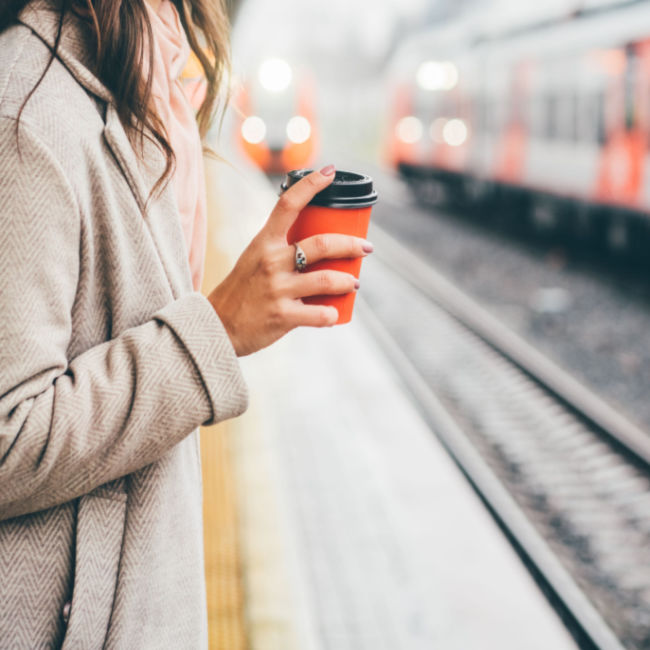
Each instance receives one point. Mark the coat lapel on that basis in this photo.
(140, 169)
(119, 144)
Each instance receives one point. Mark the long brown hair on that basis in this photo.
(121, 32)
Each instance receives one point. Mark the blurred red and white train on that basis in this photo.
(547, 107)
(277, 126)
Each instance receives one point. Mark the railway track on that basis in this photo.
(564, 474)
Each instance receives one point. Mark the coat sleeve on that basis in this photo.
(70, 425)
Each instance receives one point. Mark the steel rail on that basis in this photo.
(619, 430)
(585, 623)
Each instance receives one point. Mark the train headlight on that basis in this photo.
(253, 130)
(437, 75)
(275, 75)
(455, 133)
(298, 129)
(409, 129)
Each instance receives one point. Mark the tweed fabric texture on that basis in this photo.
(108, 364)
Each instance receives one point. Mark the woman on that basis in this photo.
(109, 361)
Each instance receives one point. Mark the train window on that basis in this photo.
(600, 118)
(492, 116)
(551, 130)
(481, 117)
(515, 113)
(533, 115)
(500, 115)
(646, 114)
(586, 122)
(526, 113)
(582, 119)
(540, 116)
(529, 114)
(484, 119)
(569, 118)
(474, 112)
(544, 117)
(630, 94)
(477, 113)
(562, 120)
(491, 108)
(565, 117)
(536, 116)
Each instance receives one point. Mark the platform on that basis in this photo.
(356, 530)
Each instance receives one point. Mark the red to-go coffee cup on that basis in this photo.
(344, 206)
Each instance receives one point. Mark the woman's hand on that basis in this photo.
(260, 300)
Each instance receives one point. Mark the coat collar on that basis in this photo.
(75, 46)
(74, 52)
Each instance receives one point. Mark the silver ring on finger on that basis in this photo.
(300, 259)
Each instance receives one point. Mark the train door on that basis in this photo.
(643, 117)
(623, 152)
(511, 153)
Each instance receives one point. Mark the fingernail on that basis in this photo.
(367, 247)
(328, 171)
(357, 284)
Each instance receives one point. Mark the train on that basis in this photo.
(545, 109)
(277, 125)
(273, 116)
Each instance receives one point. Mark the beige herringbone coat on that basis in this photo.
(108, 364)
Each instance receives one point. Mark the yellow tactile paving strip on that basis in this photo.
(253, 599)
(222, 558)
(225, 593)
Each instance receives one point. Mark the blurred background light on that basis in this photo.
(253, 129)
(298, 129)
(431, 75)
(275, 75)
(341, 57)
(437, 75)
(409, 129)
(451, 75)
(455, 132)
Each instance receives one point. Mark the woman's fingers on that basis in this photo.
(334, 246)
(293, 200)
(300, 315)
(259, 300)
(323, 283)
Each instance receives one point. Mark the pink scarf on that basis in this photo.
(171, 52)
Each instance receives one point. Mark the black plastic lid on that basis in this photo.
(347, 190)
